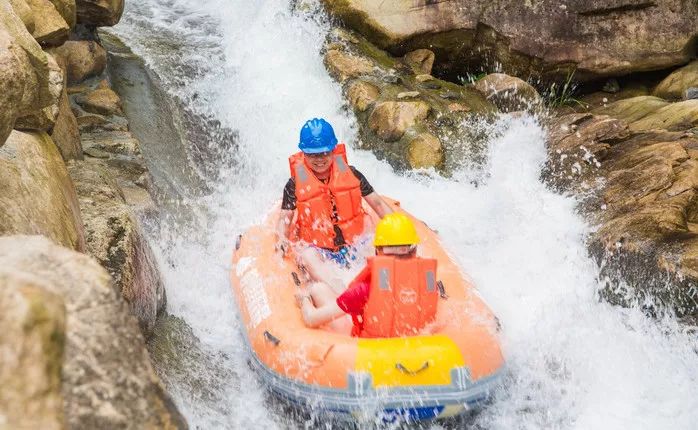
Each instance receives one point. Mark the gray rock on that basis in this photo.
(691, 93)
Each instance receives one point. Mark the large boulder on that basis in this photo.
(50, 28)
(32, 341)
(44, 119)
(549, 37)
(509, 93)
(83, 59)
(640, 189)
(649, 112)
(99, 13)
(107, 378)
(675, 86)
(37, 195)
(24, 12)
(115, 238)
(24, 72)
(675, 116)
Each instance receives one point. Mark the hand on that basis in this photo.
(301, 296)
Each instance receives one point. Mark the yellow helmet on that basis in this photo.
(395, 229)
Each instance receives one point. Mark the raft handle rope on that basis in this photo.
(403, 369)
(238, 241)
(271, 338)
(442, 290)
(296, 279)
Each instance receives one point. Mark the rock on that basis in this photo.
(532, 38)
(509, 93)
(24, 12)
(45, 118)
(408, 95)
(97, 153)
(343, 66)
(90, 122)
(691, 93)
(50, 29)
(675, 116)
(362, 94)
(393, 105)
(99, 13)
(67, 10)
(390, 120)
(113, 142)
(114, 237)
(102, 101)
(32, 341)
(83, 58)
(425, 151)
(674, 86)
(420, 61)
(639, 189)
(65, 133)
(611, 86)
(107, 378)
(632, 109)
(24, 72)
(37, 195)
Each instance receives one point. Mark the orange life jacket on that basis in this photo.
(321, 206)
(402, 297)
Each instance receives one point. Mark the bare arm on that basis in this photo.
(315, 317)
(283, 227)
(378, 204)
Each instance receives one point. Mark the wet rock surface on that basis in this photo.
(641, 189)
(546, 38)
(509, 93)
(32, 344)
(107, 380)
(83, 59)
(405, 115)
(114, 236)
(676, 86)
(37, 195)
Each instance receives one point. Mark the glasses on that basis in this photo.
(319, 155)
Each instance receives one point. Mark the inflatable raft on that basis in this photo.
(453, 367)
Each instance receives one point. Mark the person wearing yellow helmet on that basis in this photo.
(394, 295)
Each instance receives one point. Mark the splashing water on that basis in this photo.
(255, 66)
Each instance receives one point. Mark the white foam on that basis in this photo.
(576, 362)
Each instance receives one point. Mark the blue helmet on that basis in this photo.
(317, 136)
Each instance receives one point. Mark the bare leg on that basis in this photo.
(322, 294)
(326, 309)
(319, 270)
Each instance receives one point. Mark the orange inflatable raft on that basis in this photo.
(452, 368)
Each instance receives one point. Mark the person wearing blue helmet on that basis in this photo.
(325, 196)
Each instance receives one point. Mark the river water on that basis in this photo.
(254, 68)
